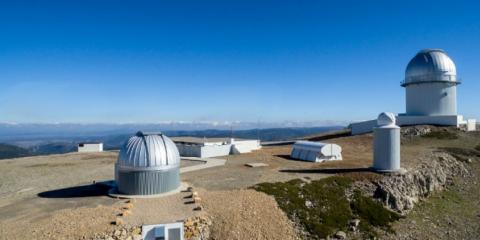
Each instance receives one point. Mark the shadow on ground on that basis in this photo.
(90, 190)
(328, 170)
(285, 156)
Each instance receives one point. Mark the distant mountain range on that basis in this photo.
(27, 140)
(42, 131)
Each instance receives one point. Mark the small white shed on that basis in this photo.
(90, 147)
(316, 151)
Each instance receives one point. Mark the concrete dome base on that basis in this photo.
(113, 192)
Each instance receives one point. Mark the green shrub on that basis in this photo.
(477, 147)
(328, 209)
(461, 154)
(443, 135)
(372, 212)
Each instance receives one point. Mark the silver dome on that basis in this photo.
(148, 151)
(430, 65)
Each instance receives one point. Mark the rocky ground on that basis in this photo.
(247, 214)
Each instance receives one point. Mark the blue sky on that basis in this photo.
(118, 62)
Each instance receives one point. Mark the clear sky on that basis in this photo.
(117, 62)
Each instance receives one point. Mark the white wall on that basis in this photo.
(471, 125)
(215, 151)
(245, 146)
(453, 120)
(90, 147)
(431, 99)
(193, 150)
(363, 127)
(405, 120)
(187, 150)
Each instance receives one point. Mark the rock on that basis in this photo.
(341, 235)
(401, 192)
(197, 228)
(118, 221)
(126, 213)
(353, 225)
(136, 230)
(308, 204)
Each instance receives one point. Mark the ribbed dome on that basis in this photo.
(148, 151)
(430, 65)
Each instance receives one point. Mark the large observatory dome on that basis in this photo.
(149, 151)
(148, 163)
(430, 84)
(430, 65)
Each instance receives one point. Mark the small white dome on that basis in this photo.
(386, 119)
(430, 65)
(148, 151)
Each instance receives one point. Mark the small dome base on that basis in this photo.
(400, 170)
(113, 192)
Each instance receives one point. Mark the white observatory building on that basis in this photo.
(430, 94)
(431, 84)
(148, 164)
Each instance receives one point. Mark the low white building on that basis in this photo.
(214, 147)
(90, 147)
(316, 151)
(244, 145)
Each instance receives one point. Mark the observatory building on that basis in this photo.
(430, 92)
(90, 147)
(431, 84)
(214, 147)
(148, 164)
(316, 151)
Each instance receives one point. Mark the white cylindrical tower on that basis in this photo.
(386, 144)
(430, 84)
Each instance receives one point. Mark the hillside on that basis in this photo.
(10, 151)
(36, 145)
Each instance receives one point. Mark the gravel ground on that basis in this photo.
(246, 214)
(171, 208)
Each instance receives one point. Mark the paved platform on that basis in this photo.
(256, 164)
(208, 163)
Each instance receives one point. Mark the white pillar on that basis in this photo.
(386, 145)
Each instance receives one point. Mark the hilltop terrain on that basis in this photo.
(437, 198)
